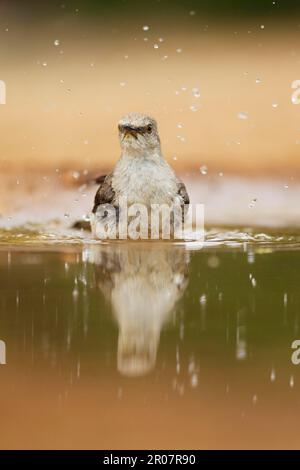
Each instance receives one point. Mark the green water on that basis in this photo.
(157, 345)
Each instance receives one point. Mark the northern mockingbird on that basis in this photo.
(141, 175)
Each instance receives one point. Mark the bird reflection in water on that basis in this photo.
(143, 283)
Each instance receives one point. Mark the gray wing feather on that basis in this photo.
(105, 193)
(185, 200)
(183, 193)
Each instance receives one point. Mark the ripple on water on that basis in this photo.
(37, 235)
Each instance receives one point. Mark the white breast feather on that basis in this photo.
(145, 180)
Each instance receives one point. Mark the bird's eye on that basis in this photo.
(149, 129)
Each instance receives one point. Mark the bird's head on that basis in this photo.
(138, 133)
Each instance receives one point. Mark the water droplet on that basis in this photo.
(194, 380)
(193, 108)
(275, 105)
(294, 100)
(258, 80)
(273, 375)
(203, 299)
(179, 125)
(66, 215)
(156, 46)
(76, 175)
(262, 26)
(292, 382)
(243, 115)
(179, 50)
(146, 28)
(160, 39)
(203, 170)
(44, 64)
(252, 203)
(286, 186)
(196, 92)
(221, 173)
(191, 366)
(213, 262)
(75, 293)
(56, 42)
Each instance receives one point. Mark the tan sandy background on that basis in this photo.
(64, 101)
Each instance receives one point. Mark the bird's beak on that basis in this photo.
(130, 131)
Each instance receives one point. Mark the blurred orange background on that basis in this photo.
(71, 78)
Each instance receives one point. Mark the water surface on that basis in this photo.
(151, 345)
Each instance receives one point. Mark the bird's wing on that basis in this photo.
(182, 192)
(184, 199)
(99, 179)
(105, 193)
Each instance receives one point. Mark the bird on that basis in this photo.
(141, 175)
